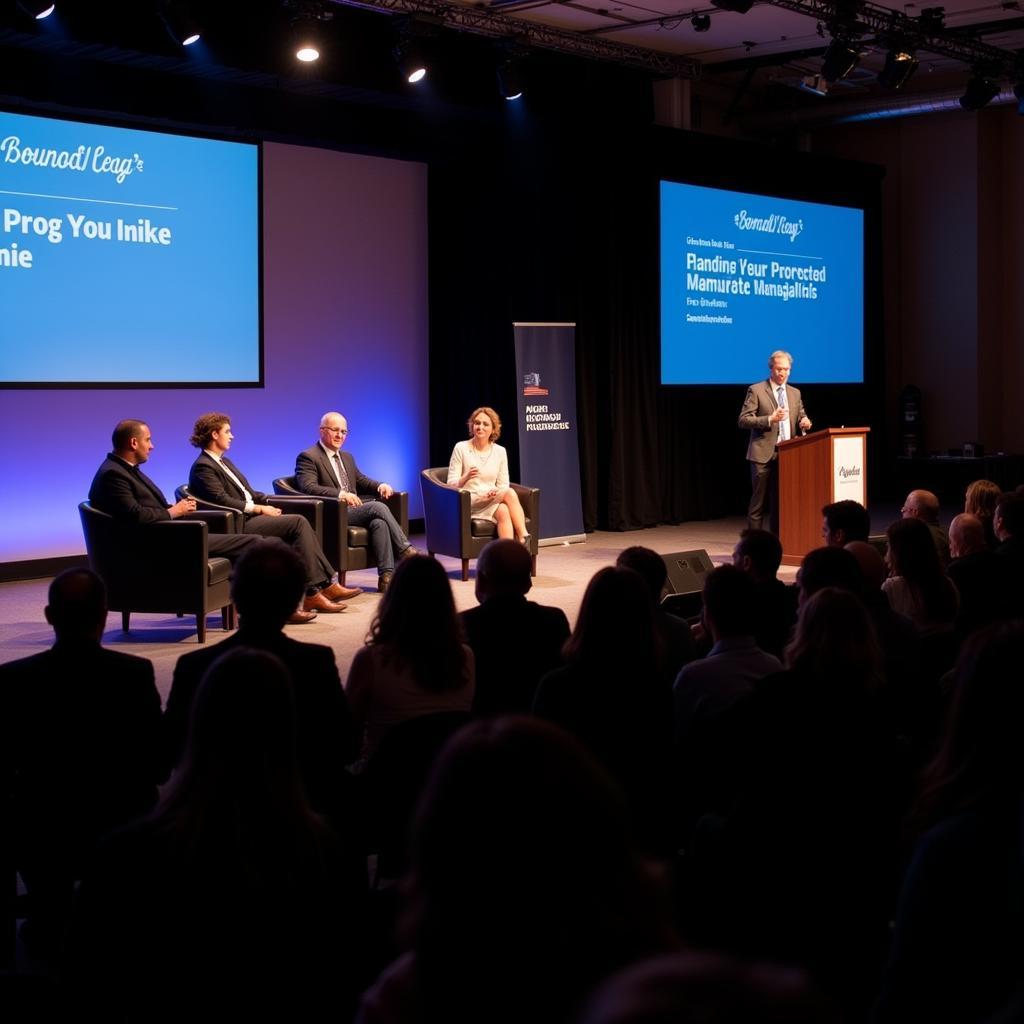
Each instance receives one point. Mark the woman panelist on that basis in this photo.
(481, 467)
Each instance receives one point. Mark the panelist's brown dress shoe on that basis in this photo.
(336, 592)
(384, 581)
(300, 616)
(318, 602)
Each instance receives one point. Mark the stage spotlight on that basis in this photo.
(839, 60)
(178, 20)
(980, 91)
(37, 9)
(701, 22)
(412, 62)
(900, 64)
(510, 79)
(307, 38)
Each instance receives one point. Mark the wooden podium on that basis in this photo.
(815, 470)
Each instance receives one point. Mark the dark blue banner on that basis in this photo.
(549, 456)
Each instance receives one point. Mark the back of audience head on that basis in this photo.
(835, 640)
(77, 606)
(922, 505)
(1008, 520)
(417, 620)
(239, 774)
(503, 570)
(981, 752)
(707, 988)
(267, 584)
(729, 602)
(522, 852)
(872, 565)
(845, 521)
(981, 497)
(966, 535)
(649, 565)
(615, 625)
(759, 553)
(912, 553)
(828, 567)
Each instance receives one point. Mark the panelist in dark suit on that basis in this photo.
(772, 412)
(327, 471)
(215, 478)
(124, 492)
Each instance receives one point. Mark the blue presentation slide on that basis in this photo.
(743, 275)
(126, 256)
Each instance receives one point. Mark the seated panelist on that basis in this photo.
(325, 470)
(216, 479)
(480, 466)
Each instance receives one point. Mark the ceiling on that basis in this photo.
(757, 58)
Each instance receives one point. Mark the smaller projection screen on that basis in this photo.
(743, 275)
(127, 257)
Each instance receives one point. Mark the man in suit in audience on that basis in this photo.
(924, 505)
(514, 641)
(772, 412)
(216, 479)
(267, 584)
(80, 743)
(327, 471)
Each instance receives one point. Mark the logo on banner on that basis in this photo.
(531, 385)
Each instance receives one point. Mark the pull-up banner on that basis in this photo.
(549, 455)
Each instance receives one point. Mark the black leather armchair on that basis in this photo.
(346, 547)
(312, 509)
(162, 567)
(451, 530)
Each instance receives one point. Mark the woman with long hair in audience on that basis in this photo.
(958, 942)
(980, 500)
(611, 693)
(414, 662)
(233, 896)
(526, 889)
(918, 586)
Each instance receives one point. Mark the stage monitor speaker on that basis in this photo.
(687, 571)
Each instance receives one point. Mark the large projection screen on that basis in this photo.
(745, 274)
(127, 257)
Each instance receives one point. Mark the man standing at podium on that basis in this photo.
(772, 412)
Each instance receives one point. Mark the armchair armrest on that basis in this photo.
(529, 498)
(311, 509)
(227, 520)
(446, 511)
(398, 503)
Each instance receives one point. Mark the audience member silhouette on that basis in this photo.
(268, 583)
(233, 899)
(414, 662)
(759, 554)
(980, 500)
(828, 567)
(919, 586)
(514, 641)
(80, 748)
(707, 988)
(983, 579)
(843, 522)
(802, 867)
(705, 688)
(611, 695)
(924, 506)
(677, 646)
(958, 943)
(526, 889)
(1008, 523)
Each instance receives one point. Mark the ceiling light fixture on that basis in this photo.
(900, 64)
(839, 60)
(37, 9)
(177, 18)
(980, 91)
(701, 22)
